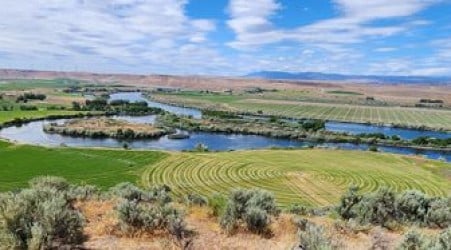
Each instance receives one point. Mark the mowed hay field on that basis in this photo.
(311, 177)
(351, 113)
(104, 168)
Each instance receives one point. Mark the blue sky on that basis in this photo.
(228, 37)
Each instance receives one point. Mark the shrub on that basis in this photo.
(387, 209)
(149, 216)
(347, 203)
(379, 240)
(412, 206)
(250, 206)
(439, 213)
(377, 208)
(314, 238)
(57, 183)
(127, 191)
(257, 220)
(39, 218)
(217, 203)
(298, 209)
(83, 192)
(196, 200)
(413, 241)
(442, 241)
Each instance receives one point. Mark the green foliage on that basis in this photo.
(347, 203)
(313, 237)
(40, 217)
(413, 241)
(298, 209)
(257, 219)
(196, 200)
(217, 203)
(130, 192)
(148, 210)
(439, 213)
(52, 182)
(253, 207)
(378, 208)
(386, 208)
(442, 241)
(412, 206)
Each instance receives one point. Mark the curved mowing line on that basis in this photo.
(290, 182)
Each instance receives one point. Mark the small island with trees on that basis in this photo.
(106, 128)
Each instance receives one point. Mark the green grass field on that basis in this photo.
(11, 115)
(438, 119)
(20, 163)
(310, 177)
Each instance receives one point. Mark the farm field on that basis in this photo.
(104, 168)
(6, 116)
(309, 177)
(415, 117)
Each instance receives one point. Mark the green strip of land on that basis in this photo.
(20, 163)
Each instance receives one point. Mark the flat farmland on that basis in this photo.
(350, 113)
(310, 177)
(406, 116)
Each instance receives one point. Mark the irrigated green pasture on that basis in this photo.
(20, 163)
(310, 177)
(407, 116)
(35, 114)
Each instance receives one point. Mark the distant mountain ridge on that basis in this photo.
(280, 75)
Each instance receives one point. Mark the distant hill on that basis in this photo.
(280, 75)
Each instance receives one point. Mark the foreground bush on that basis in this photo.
(253, 207)
(386, 208)
(148, 211)
(41, 217)
(312, 236)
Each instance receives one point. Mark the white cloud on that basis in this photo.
(385, 49)
(92, 32)
(353, 25)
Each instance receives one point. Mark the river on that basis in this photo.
(32, 133)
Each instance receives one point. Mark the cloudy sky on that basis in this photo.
(228, 37)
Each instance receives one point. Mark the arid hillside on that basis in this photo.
(398, 93)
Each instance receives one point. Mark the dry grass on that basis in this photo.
(103, 233)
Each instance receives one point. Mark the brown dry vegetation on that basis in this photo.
(102, 232)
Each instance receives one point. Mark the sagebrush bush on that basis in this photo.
(298, 209)
(388, 209)
(39, 218)
(148, 210)
(412, 240)
(346, 208)
(439, 213)
(377, 208)
(257, 220)
(253, 207)
(196, 200)
(57, 183)
(412, 206)
(131, 192)
(442, 241)
(313, 237)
